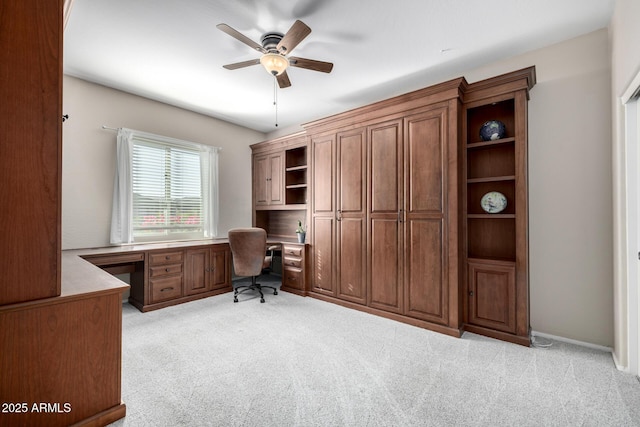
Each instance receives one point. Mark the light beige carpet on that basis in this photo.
(296, 361)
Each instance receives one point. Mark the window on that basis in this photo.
(166, 189)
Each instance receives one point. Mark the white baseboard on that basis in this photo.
(570, 341)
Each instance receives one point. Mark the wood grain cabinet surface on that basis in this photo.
(60, 326)
(395, 222)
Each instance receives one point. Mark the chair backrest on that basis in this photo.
(248, 250)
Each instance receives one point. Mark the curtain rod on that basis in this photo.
(110, 128)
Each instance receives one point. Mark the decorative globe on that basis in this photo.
(492, 130)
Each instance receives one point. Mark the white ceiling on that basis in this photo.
(171, 50)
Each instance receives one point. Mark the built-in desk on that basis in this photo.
(165, 274)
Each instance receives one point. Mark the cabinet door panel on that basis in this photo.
(197, 271)
(323, 173)
(425, 296)
(276, 175)
(385, 154)
(260, 180)
(351, 172)
(220, 261)
(323, 229)
(352, 262)
(492, 296)
(385, 203)
(386, 280)
(425, 145)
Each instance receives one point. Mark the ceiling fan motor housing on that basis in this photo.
(270, 41)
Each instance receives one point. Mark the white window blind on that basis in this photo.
(167, 192)
(165, 189)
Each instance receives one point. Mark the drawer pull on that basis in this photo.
(167, 257)
(292, 279)
(167, 270)
(166, 289)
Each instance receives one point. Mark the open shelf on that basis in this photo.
(492, 237)
(476, 190)
(295, 176)
(477, 116)
(492, 160)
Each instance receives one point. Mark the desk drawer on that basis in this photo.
(292, 250)
(293, 278)
(292, 262)
(165, 258)
(165, 289)
(165, 270)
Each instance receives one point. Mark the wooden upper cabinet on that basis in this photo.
(31, 150)
(323, 174)
(268, 173)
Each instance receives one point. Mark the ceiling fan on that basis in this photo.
(275, 49)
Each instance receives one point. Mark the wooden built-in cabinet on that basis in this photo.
(294, 271)
(384, 208)
(280, 185)
(268, 178)
(31, 149)
(339, 214)
(496, 285)
(207, 269)
(60, 326)
(176, 275)
(392, 192)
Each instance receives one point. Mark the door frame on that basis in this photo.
(631, 239)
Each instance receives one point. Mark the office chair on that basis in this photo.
(248, 253)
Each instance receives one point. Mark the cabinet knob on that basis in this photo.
(470, 293)
(167, 270)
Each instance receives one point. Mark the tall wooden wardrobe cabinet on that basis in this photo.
(394, 196)
(384, 207)
(60, 336)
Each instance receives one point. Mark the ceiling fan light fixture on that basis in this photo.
(274, 63)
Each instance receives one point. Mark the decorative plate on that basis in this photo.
(492, 130)
(493, 202)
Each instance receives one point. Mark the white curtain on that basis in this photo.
(209, 173)
(122, 208)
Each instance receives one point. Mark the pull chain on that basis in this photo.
(275, 97)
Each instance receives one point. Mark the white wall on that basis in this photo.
(570, 218)
(625, 65)
(88, 160)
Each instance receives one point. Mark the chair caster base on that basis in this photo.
(261, 299)
(275, 292)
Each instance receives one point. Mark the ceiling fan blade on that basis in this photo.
(298, 31)
(242, 64)
(311, 64)
(283, 80)
(241, 37)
